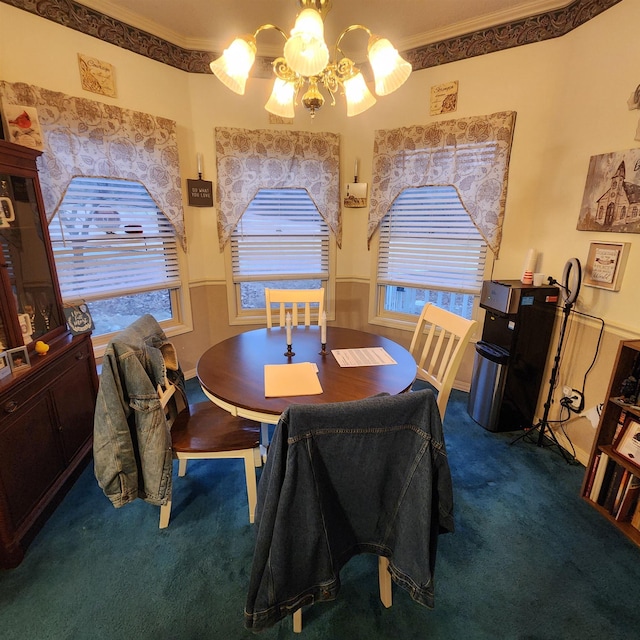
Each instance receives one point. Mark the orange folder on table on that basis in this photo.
(299, 379)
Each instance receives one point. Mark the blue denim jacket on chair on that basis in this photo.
(131, 439)
(342, 479)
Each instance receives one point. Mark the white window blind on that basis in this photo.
(110, 239)
(427, 240)
(281, 236)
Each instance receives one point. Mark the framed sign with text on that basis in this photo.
(605, 264)
(200, 193)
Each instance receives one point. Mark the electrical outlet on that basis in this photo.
(572, 399)
(575, 403)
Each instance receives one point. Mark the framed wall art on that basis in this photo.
(21, 125)
(628, 444)
(97, 76)
(605, 264)
(611, 199)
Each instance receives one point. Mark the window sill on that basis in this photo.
(170, 327)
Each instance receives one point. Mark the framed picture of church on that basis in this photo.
(611, 199)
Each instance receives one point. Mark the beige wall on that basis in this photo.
(570, 95)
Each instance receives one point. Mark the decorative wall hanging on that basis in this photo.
(611, 200)
(200, 192)
(274, 119)
(605, 265)
(356, 196)
(444, 98)
(97, 76)
(21, 125)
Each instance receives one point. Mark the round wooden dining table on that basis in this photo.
(231, 373)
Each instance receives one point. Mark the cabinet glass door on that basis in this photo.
(25, 257)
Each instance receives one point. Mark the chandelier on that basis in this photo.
(306, 66)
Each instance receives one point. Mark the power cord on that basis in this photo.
(578, 394)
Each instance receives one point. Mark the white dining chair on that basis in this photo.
(438, 345)
(205, 431)
(294, 301)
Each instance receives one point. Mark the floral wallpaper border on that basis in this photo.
(544, 26)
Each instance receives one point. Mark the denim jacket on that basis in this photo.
(342, 479)
(131, 437)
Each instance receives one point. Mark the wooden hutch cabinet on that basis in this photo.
(46, 408)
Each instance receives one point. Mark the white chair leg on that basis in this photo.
(297, 621)
(165, 514)
(264, 439)
(252, 488)
(182, 467)
(384, 581)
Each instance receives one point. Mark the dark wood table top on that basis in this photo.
(232, 371)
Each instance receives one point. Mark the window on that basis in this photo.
(429, 251)
(282, 242)
(117, 251)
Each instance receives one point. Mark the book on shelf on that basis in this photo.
(611, 488)
(629, 499)
(606, 481)
(599, 476)
(622, 487)
(592, 476)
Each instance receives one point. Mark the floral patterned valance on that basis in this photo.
(87, 138)
(471, 154)
(250, 160)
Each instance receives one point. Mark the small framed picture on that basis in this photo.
(628, 444)
(605, 264)
(21, 125)
(19, 358)
(5, 367)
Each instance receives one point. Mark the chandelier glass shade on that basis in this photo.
(306, 66)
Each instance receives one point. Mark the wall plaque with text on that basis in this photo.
(200, 193)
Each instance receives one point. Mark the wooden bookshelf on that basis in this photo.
(606, 486)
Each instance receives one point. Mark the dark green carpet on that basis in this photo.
(529, 559)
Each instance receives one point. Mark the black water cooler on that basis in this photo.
(511, 356)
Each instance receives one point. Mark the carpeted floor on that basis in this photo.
(529, 560)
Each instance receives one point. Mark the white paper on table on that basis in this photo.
(367, 357)
(295, 379)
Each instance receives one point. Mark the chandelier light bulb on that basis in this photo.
(358, 96)
(389, 68)
(233, 66)
(281, 102)
(305, 51)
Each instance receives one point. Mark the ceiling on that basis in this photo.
(212, 24)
